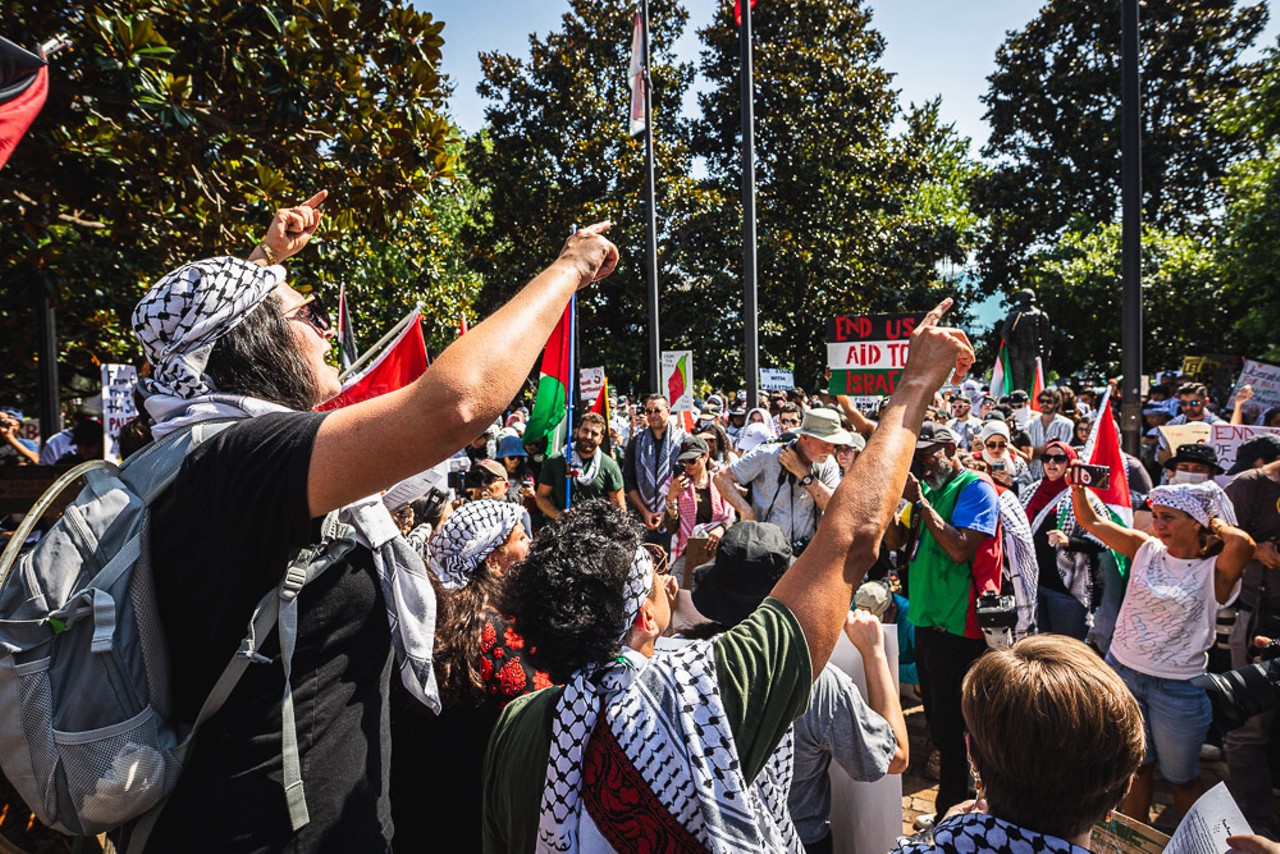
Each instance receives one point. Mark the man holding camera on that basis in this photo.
(956, 514)
(789, 483)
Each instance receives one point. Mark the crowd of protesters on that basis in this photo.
(628, 639)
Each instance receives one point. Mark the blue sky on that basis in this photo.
(935, 47)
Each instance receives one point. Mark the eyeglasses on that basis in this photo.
(1046, 400)
(1056, 458)
(653, 411)
(310, 312)
(659, 556)
(1190, 404)
(996, 446)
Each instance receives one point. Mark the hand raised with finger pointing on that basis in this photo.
(590, 252)
(938, 352)
(291, 228)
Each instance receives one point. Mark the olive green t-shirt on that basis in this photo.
(764, 674)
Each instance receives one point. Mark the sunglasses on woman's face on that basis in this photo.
(1060, 459)
(996, 446)
(310, 312)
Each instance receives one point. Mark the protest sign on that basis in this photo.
(590, 381)
(677, 379)
(777, 379)
(1264, 379)
(1226, 440)
(866, 353)
(1191, 433)
(118, 383)
(1216, 371)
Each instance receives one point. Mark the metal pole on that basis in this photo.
(47, 380)
(750, 307)
(1131, 230)
(651, 220)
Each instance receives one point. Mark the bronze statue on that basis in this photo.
(1026, 333)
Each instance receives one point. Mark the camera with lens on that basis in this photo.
(997, 617)
(799, 545)
(1240, 694)
(677, 468)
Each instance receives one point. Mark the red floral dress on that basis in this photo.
(504, 666)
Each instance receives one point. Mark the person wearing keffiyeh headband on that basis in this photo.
(230, 341)
(675, 750)
(1179, 579)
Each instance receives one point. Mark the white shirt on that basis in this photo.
(1166, 624)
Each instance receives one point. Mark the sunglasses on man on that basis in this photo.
(1190, 404)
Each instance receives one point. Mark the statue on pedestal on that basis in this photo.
(1026, 334)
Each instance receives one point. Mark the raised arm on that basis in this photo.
(1237, 550)
(819, 587)
(371, 445)
(1124, 540)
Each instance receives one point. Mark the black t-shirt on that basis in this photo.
(222, 537)
(1256, 499)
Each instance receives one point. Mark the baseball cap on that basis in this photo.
(932, 433)
(873, 596)
(1265, 447)
(493, 467)
(1018, 396)
(692, 448)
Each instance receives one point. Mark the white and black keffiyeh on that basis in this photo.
(1020, 560)
(188, 310)
(1200, 501)
(653, 465)
(177, 322)
(584, 473)
(467, 537)
(667, 716)
(978, 833)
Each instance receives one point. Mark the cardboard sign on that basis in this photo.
(1120, 834)
(1226, 440)
(590, 381)
(777, 379)
(1191, 433)
(677, 379)
(1264, 379)
(118, 383)
(866, 353)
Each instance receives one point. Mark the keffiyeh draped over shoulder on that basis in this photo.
(178, 321)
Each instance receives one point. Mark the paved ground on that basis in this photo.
(919, 791)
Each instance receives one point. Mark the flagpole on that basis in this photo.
(1131, 229)
(570, 392)
(651, 219)
(382, 342)
(750, 307)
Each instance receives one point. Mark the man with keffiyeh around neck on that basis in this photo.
(228, 339)
(647, 471)
(685, 750)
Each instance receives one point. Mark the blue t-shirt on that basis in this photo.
(977, 508)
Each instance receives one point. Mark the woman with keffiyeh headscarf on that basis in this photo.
(1179, 579)
(229, 340)
(1067, 556)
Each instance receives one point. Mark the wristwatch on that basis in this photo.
(806, 480)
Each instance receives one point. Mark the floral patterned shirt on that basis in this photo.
(504, 664)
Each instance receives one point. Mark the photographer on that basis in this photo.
(694, 506)
(1179, 579)
(790, 483)
(15, 450)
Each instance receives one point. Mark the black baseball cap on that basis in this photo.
(932, 433)
(692, 448)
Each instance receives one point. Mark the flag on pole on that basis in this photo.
(636, 77)
(1002, 373)
(462, 324)
(402, 362)
(737, 10)
(549, 419)
(346, 335)
(601, 407)
(1103, 449)
(24, 86)
(1037, 386)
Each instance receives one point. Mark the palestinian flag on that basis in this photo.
(1037, 386)
(549, 419)
(398, 365)
(602, 408)
(737, 10)
(1103, 449)
(346, 336)
(24, 85)
(1002, 373)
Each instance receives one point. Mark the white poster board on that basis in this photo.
(1264, 379)
(677, 379)
(590, 381)
(118, 383)
(777, 379)
(1226, 439)
(866, 818)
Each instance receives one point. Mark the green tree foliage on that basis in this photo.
(1078, 284)
(1054, 111)
(851, 217)
(1251, 226)
(557, 152)
(174, 128)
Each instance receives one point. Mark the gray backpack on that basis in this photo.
(86, 729)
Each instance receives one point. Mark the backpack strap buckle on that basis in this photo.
(294, 578)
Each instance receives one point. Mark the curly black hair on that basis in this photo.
(567, 595)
